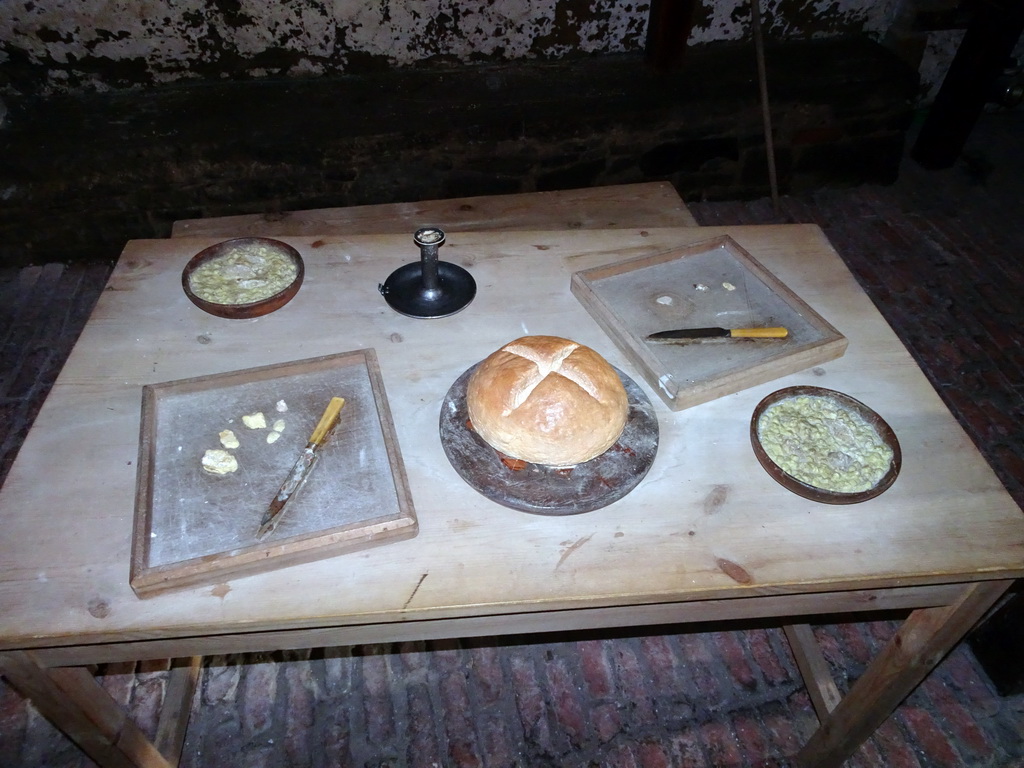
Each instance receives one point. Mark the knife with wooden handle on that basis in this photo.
(302, 467)
(684, 335)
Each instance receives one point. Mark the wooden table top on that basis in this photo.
(707, 522)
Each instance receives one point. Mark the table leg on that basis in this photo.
(71, 699)
(178, 695)
(813, 667)
(920, 643)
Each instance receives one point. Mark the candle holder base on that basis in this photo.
(406, 293)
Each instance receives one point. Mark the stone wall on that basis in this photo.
(59, 46)
(81, 174)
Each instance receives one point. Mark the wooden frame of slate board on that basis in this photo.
(193, 528)
(713, 283)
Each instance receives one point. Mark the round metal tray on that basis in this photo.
(253, 308)
(813, 492)
(544, 490)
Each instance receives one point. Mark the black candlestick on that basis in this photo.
(428, 288)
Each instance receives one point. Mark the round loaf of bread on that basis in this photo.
(547, 400)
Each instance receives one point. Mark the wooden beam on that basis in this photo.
(981, 56)
(769, 606)
(669, 24)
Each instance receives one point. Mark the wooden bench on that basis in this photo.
(624, 206)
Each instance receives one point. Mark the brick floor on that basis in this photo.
(941, 255)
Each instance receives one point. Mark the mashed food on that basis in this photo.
(247, 273)
(219, 462)
(255, 420)
(823, 443)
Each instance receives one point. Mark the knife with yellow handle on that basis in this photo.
(684, 335)
(303, 466)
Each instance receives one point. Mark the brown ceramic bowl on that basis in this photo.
(243, 310)
(810, 491)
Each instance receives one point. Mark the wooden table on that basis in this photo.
(707, 535)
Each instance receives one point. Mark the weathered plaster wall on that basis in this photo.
(790, 19)
(49, 46)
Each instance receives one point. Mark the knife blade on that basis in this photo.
(682, 335)
(302, 468)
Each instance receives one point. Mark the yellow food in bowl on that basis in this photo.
(247, 273)
(824, 444)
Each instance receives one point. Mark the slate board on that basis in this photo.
(194, 528)
(713, 283)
